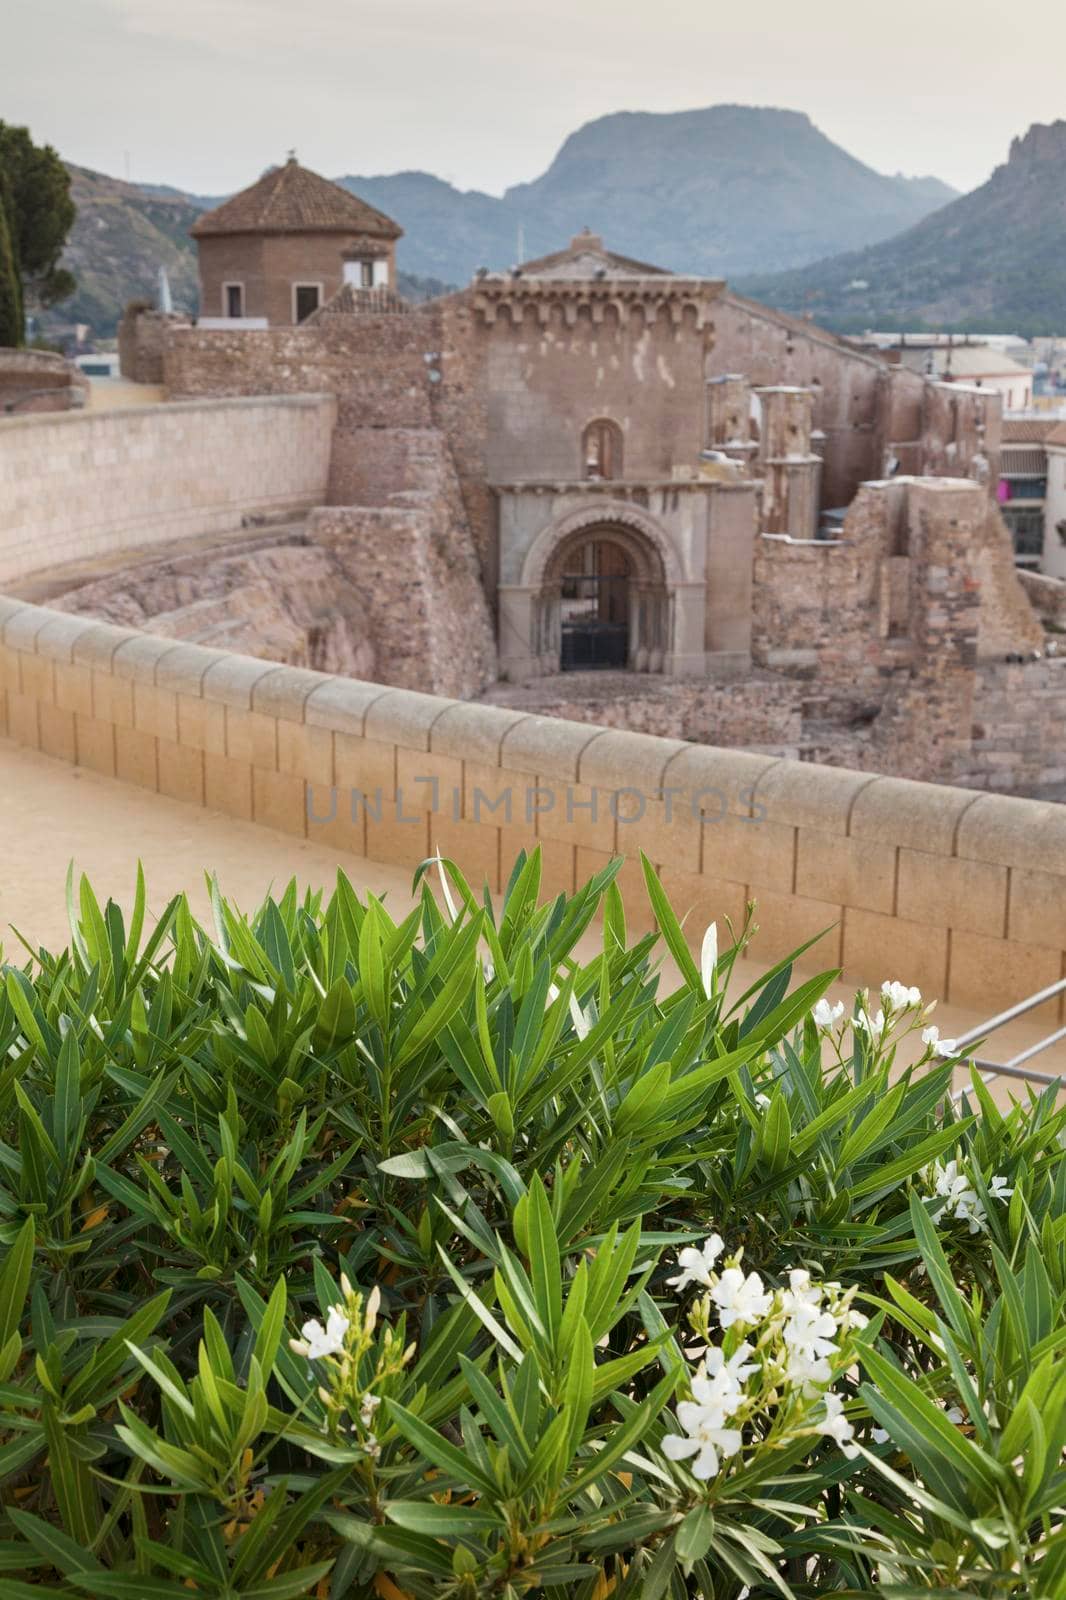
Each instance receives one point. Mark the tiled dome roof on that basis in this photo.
(291, 199)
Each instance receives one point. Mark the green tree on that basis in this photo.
(35, 192)
(11, 318)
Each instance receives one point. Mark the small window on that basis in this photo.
(366, 274)
(233, 294)
(307, 298)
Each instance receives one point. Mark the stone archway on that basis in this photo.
(597, 589)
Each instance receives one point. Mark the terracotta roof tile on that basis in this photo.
(1027, 430)
(291, 199)
(351, 301)
(1057, 435)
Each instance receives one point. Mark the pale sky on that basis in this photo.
(203, 94)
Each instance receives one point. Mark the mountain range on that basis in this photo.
(992, 260)
(725, 191)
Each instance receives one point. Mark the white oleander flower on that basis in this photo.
(801, 1291)
(941, 1047)
(737, 1367)
(898, 997)
(954, 1415)
(710, 1440)
(999, 1189)
(811, 1332)
(739, 1298)
(836, 1425)
(328, 1341)
(696, 1263)
(874, 1027)
(709, 958)
(809, 1373)
(826, 1016)
(762, 1101)
(367, 1409)
(879, 1435)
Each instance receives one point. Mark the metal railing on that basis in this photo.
(1014, 1068)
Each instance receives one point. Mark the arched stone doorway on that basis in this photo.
(603, 603)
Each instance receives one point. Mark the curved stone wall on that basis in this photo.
(92, 484)
(962, 893)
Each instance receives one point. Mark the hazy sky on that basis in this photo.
(204, 94)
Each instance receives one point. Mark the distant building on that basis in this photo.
(277, 251)
(998, 361)
(1023, 480)
(1054, 562)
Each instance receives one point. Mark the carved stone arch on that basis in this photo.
(603, 514)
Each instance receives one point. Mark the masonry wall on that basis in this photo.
(39, 380)
(962, 893)
(82, 486)
(268, 265)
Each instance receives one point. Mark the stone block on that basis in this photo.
(473, 732)
(1013, 833)
(155, 711)
(547, 747)
(785, 921)
(112, 698)
(95, 744)
(474, 847)
(948, 893)
(430, 782)
(184, 668)
(202, 724)
(74, 688)
(231, 680)
(1038, 907)
(851, 872)
(22, 719)
(745, 850)
(923, 816)
(181, 772)
(572, 813)
(332, 822)
(341, 704)
(59, 635)
(139, 656)
(252, 737)
(279, 801)
(699, 901)
(21, 627)
(616, 759)
(305, 752)
(401, 841)
(805, 794)
(404, 718)
(897, 948)
(37, 677)
(365, 765)
(97, 645)
(228, 786)
(557, 860)
(716, 782)
(57, 733)
(284, 692)
(991, 974)
(135, 758)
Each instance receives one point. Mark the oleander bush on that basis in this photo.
(348, 1256)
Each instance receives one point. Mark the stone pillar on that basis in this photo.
(728, 583)
(789, 468)
(729, 417)
(519, 648)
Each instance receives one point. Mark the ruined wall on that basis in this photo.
(1019, 726)
(848, 385)
(142, 334)
(1047, 596)
(760, 714)
(39, 380)
(94, 484)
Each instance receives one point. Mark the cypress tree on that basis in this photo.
(12, 324)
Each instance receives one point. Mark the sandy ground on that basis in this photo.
(52, 814)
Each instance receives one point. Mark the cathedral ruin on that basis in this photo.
(599, 489)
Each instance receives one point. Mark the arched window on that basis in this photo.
(601, 449)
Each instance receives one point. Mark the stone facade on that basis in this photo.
(653, 464)
(141, 337)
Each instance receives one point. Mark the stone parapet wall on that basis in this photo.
(74, 488)
(960, 892)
